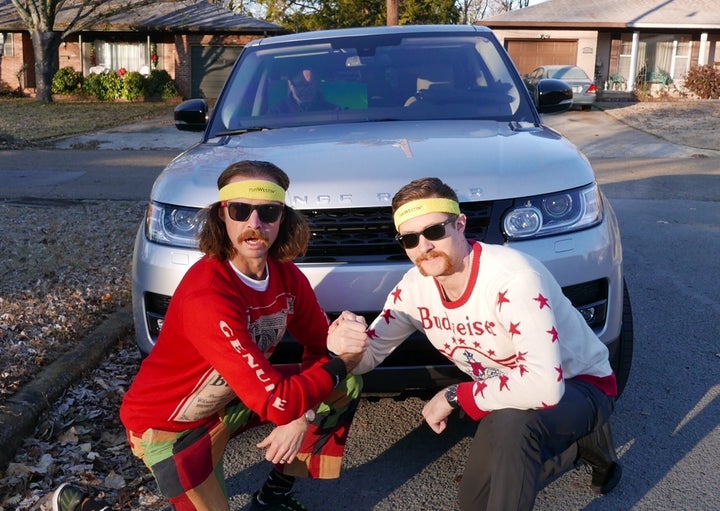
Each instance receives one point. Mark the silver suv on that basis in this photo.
(352, 115)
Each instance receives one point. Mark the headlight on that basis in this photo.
(544, 215)
(172, 225)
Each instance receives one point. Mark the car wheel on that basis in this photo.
(621, 358)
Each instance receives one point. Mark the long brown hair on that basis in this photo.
(294, 233)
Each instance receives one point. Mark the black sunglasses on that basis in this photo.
(432, 233)
(240, 211)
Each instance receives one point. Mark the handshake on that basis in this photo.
(347, 338)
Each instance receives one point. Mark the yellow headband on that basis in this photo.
(420, 207)
(253, 189)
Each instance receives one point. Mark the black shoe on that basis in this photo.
(604, 480)
(279, 503)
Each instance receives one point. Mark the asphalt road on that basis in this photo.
(667, 199)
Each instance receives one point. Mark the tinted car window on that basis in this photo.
(568, 73)
(390, 79)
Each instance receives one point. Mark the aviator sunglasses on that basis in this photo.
(240, 211)
(432, 233)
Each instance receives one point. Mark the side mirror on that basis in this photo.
(191, 115)
(553, 96)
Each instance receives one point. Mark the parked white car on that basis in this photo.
(397, 103)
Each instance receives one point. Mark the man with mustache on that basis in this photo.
(208, 378)
(540, 380)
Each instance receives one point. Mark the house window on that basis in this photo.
(661, 58)
(6, 45)
(626, 55)
(681, 58)
(668, 57)
(116, 55)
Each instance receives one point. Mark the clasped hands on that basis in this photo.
(347, 338)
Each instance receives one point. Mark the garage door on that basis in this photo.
(210, 67)
(529, 54)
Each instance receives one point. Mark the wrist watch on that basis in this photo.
(310, 415)
(452, 397)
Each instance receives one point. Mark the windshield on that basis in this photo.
(381, 77)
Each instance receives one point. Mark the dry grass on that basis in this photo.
(694, 123)
(26, 121)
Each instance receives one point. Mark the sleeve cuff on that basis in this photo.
(466, 400)
(337, 369)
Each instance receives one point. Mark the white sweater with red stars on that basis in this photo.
(513, 332)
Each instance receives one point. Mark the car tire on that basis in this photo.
(621, 359)
(586, 107)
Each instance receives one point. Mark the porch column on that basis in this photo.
(702, 57)
(635, 49)
(82, 55)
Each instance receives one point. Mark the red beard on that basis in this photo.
(253, 234)
(434, 253)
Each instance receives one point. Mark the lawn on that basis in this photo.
(27, 121)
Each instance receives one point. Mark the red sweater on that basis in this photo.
(214, 345)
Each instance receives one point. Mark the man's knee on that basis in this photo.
(509, 425)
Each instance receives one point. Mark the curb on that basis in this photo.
(19, 416)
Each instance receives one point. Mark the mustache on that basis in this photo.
(253, 234)
(430, 255)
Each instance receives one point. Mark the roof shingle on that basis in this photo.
(613, 14)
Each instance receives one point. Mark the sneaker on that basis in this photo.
(605, 480)
(279, 503)
(67, 497)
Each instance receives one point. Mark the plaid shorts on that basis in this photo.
(188, 465)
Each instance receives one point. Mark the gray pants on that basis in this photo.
(516, 452)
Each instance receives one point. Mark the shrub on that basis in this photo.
(113, 85)
(66, 81)
(160, 85)
(703, 81)
(133, 85)
(94, 86)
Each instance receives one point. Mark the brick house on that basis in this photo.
(195, 41)
(624, 44)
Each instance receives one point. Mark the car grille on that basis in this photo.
(368, 234)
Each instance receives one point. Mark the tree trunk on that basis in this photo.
(392, 12)
(46, 47)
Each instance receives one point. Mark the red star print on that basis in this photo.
(543, 301)
(387, 316)
(477, 368)
(476, 344)
(396, 295)
(560, 373)
(503, 382)
(480, 388)
(553, 334)
(447, 346)
(523, 369)
(459, 341)
(502, 299)
(371, 334)
(514, 328)
(521, 356)
(491, 353)
(547, 406)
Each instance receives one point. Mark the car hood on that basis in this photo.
(364, 164)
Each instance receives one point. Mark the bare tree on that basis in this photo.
(40, 18)
(473, 10)
(511, 5)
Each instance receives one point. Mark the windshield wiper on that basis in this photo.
(240, 131)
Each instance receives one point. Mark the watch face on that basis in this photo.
(451, 396)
